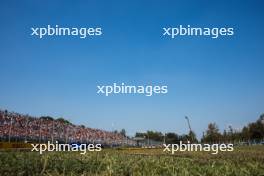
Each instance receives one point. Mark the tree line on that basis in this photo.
(251, 133)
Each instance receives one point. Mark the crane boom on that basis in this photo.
(188, 121)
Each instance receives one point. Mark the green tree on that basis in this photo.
(46, 118)
(172, 138)
(192, 137)
(212, 134)
(61, 119)
(123, 132)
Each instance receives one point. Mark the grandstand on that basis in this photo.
(15, 127)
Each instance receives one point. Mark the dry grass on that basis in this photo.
(243, 161)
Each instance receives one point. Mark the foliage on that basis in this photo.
(61, 119)
(123, 132)
(253, 132)
(46, 118)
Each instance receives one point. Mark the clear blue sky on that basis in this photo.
(209, 80)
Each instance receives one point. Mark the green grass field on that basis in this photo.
(243, 161)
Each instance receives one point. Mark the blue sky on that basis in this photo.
(210, 80)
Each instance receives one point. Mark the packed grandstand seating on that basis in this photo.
(18, 127)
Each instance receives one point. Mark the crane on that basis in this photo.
(189, 125)
(188, 121)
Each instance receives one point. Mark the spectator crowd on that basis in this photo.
(18, 127)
